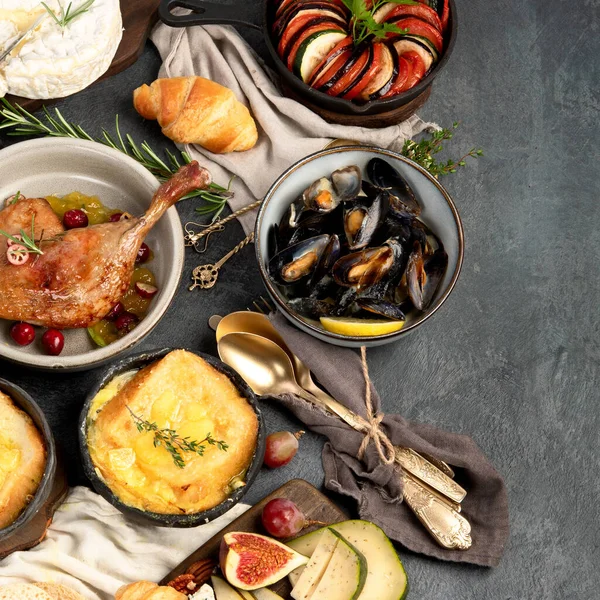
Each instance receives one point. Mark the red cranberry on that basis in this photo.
(115, 311)
(145, 290)
(75, 218)
(126, 322)
(143, 254)
(22, 333)
(116, 217)
(53, 342)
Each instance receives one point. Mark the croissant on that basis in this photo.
(146, 590)
(194, 110)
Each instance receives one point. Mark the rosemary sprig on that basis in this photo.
(173, 442)
(364, 24)
(19, 122)
(66, 16)
(27, 241)
(424, 151)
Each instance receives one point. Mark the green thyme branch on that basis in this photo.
(27, 241)
(17, 121)
(173, 442)
(66, 16)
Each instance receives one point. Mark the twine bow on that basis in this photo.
(371, 425)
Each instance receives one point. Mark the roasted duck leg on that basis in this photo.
(82, 273)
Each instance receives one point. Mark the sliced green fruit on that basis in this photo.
(386, 578)
(314, 49)
(266, 594)
(345, 576)
(317, 565)
(223, 591)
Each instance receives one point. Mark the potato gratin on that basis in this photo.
(183, 393)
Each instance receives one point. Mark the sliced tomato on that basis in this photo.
(404, 72)
(418, 69)
(296, 41)
(357, 86)
(291, 30)
(380, 89)
(421, 11)
(341, 47)
(419, 27)
(317, 9)
(445, 15)
(353, 72)
(333, 72)
(286, 4)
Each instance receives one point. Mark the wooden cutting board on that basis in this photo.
(139, 16)
(309, 500)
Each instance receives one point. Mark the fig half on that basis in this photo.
(250, 561)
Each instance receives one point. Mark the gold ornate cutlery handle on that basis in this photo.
(450, 529)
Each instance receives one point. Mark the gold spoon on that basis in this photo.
(415, 463)
(267, 369)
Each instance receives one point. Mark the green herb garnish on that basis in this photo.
(173, 442)
(364, 24)
(66, 16)
(28, 242)
(14, 199)
(19, 122)
(424, 151)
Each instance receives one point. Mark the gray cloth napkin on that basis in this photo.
(288, 131)
(376, 487)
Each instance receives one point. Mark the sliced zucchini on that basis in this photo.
(383, 11)
(386, 578)
(314, 49)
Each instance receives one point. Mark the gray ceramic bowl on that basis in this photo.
(439, 213)
(58, 166)
(29, 528)
(138, 361)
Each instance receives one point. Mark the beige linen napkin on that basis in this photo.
(288, 131)
(93, 548)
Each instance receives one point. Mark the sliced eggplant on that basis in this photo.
(415, 26)
(354, 61)
(391, 11)
(313, 50)
(383, 76)
(317, 9)
(356, 74)
(319, 24)
(344, 47)
(405, 44)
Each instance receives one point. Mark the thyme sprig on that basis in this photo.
(173, 442)
(363, 21)
(66, 16)
(28, 242)
(17, 121)
(423, 152)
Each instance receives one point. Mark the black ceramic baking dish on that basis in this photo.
(242, 13)
(138, 361)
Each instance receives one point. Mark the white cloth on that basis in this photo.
(94, 548)
(288, 131)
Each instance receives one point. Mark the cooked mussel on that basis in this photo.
(423, 275)
(311, 307)
(382, 308)
(320, 196)
(361, 270)
(361, 222)
(403, 202)
(328, 258)
(347, 182)
(298, 261)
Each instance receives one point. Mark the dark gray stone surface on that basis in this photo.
(512, 358)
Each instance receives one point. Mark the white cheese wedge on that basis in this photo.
(54, 62)
(204, 593)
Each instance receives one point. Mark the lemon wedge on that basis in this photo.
(360, 327)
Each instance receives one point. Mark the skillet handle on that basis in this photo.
(205, 13)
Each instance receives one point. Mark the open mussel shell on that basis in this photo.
(361, 270)
(403, 202)
(298, 261)
(347, 182)
(329, 256)
(423, 275)
(320, 196)
(382, 308)
(362, 221)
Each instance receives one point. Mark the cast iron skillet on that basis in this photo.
(139, 361)
(210, 13)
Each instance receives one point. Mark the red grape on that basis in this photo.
(145, 290)
(22, 333)
(281, 447)
(53, 342)
(74, 219)
(282, 518)
(115, 311)
(114, 218)
(143, 254)
(126, 322)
